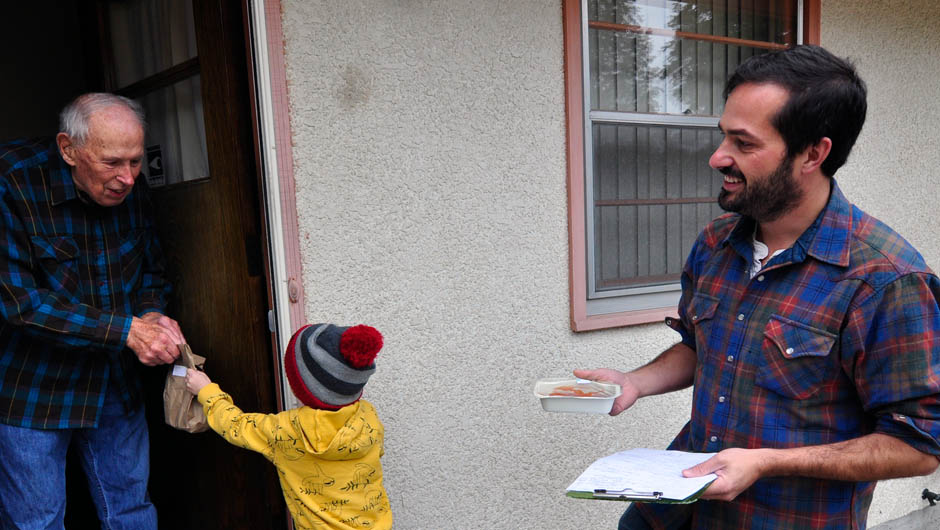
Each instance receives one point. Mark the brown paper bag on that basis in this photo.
(180, 408)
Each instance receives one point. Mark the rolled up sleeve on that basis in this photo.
(894, 336)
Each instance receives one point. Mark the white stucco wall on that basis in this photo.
(892, 173)
(429, 152)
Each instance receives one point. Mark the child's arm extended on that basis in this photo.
(251, 431)
(196, 380)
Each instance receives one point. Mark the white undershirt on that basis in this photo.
(760, 252)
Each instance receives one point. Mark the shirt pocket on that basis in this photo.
(58, 264)
(132, 250)
(702, 309)
(796, 358)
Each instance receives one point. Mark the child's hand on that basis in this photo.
(195, 380)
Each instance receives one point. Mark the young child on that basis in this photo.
(327, 451)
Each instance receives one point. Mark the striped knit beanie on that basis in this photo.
(327, 366)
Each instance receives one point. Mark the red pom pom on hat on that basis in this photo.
(360, 344)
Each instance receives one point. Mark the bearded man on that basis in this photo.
(810, 330)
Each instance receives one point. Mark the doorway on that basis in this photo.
(208, 202)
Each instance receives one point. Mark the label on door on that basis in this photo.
(155, 176)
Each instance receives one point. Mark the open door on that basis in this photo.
(186, 61)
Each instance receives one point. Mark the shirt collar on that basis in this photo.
(61, 184)
(827, 239)
(831, 240)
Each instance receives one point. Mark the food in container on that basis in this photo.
(576, 395)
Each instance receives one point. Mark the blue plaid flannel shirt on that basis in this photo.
(835, 338)
(72, 275)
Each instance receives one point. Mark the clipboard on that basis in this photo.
(642, 475)
(630, 495)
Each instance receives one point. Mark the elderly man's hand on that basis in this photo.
(154, 338)
(171, 325)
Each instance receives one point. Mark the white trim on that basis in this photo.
(799, 22)
(588, 151)
(634, 291)
(666, 298)
(649, 118)
(271, 184)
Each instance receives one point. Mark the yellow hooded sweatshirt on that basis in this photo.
(328, 461)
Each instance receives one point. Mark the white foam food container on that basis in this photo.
(544, 388)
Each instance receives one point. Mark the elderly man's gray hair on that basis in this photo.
(73, 120)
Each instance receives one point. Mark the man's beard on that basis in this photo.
(763, 199)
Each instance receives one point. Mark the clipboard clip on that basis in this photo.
(628, 494)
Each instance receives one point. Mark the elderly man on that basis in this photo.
(811, 331)
(82, 294)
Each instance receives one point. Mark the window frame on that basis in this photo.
(578, 275)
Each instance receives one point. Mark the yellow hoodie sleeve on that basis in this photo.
(252, 431)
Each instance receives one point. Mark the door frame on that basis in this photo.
(272, 109)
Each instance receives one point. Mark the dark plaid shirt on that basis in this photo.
(837, 337)
(72, 274)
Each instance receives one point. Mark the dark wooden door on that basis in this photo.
(211, 231)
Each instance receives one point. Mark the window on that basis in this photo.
(644, 85)
(152, 48)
